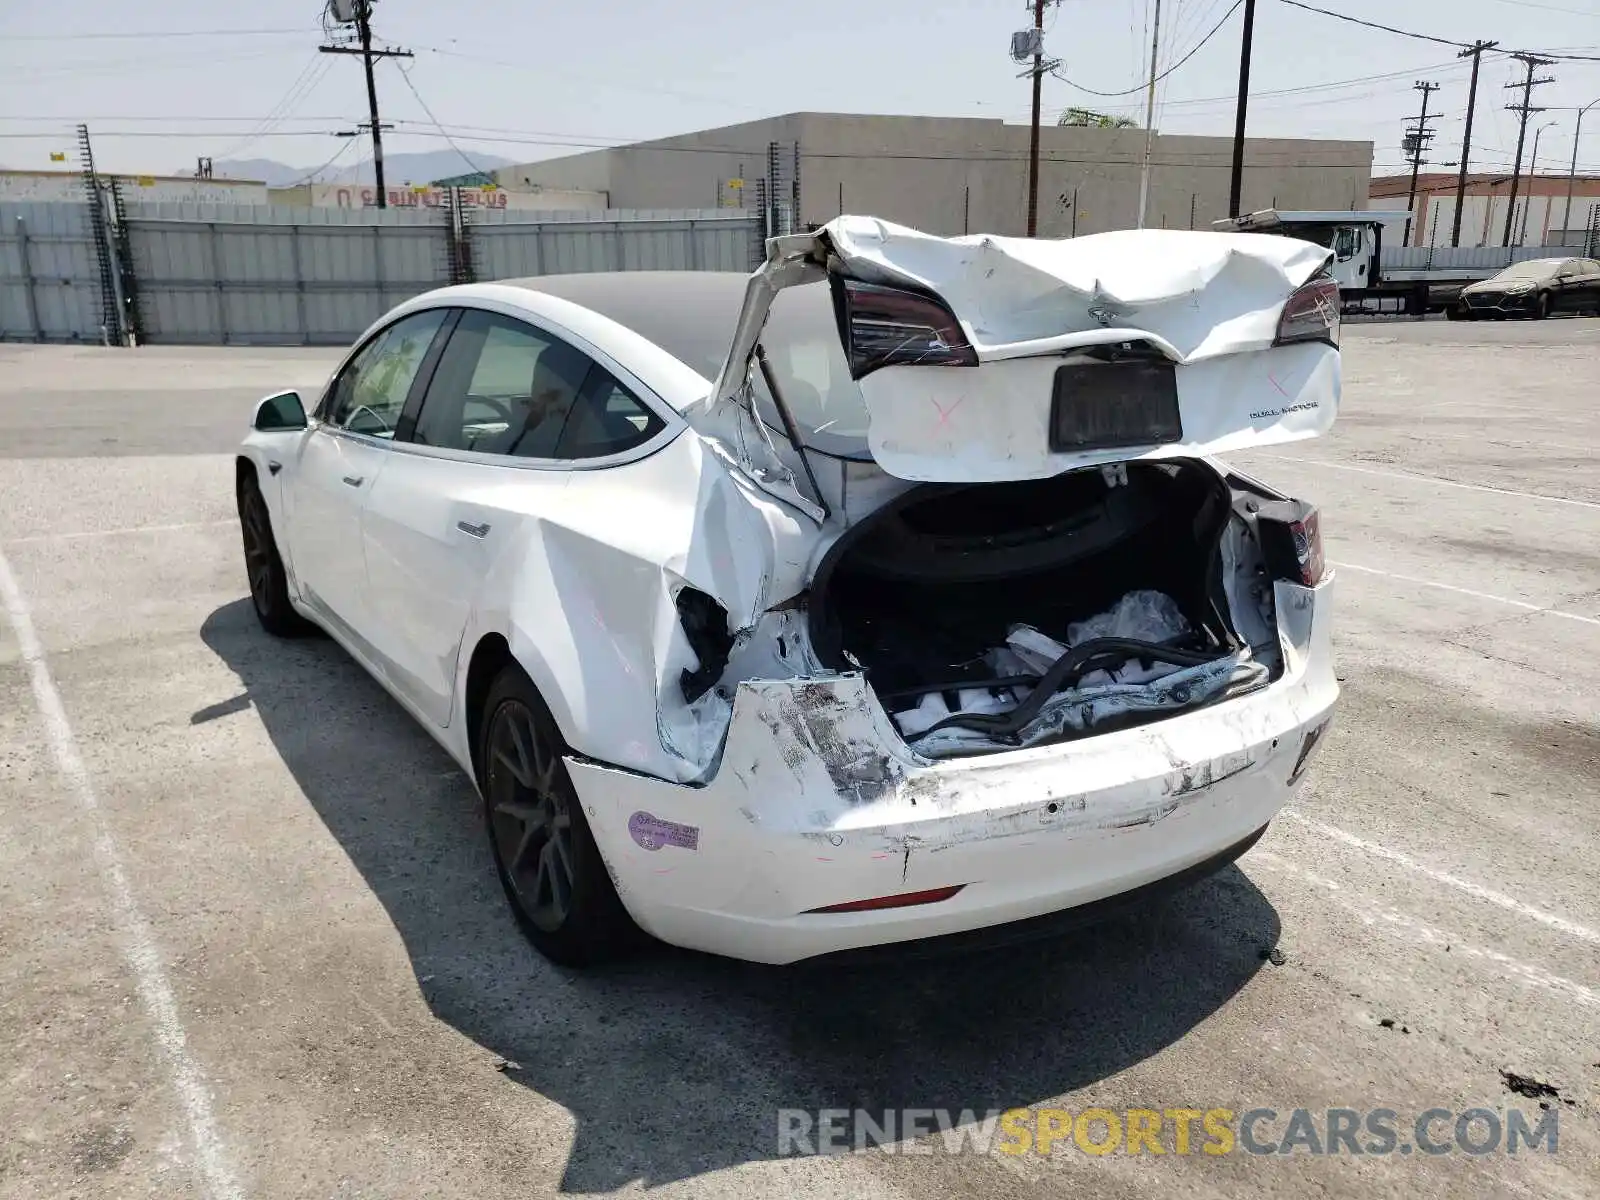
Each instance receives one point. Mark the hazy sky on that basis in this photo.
(530, 80)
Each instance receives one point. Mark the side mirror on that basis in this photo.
(279, 413)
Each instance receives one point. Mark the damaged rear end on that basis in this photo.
(1045, 649)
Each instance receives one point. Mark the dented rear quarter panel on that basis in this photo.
(817, 801)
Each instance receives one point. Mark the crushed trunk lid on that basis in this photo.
(983, 358)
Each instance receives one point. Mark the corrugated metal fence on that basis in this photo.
(274, 275)
(49, 280)
(1482, 260)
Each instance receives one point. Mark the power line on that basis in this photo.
(299, 90)
(1135, 90)
(406, 76)
(1424, 37)
(337, 155)
(153, 33)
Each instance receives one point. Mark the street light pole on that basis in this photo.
(1533, 179)
(1572, 176)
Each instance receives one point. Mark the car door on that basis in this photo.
(511, 413)
(1566, 288)
(1590, 285)
(341, 456)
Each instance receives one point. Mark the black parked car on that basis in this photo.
(1540, 287)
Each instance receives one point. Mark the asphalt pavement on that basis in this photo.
(251, 944)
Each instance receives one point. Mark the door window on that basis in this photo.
(504, 387)
(1346, 243)
(371, 391)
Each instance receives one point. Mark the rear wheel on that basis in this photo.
(549, 865)
(269, 582)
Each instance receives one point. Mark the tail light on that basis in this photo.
(903, 900)
(884, 327)
(1291, 541)
(1311, 314)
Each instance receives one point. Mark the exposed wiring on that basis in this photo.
(1136, 90)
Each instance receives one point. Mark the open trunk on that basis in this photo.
(991, 616)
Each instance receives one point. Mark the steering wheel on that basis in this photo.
(350, 423)
(502, 409)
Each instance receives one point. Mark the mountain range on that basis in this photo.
(423, 167)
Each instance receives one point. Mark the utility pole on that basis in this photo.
(360, 14)
(1236, 189)
(1415, 144)
(1525, 110)
(1033, 135)
(1476, 53)
(1149, 118)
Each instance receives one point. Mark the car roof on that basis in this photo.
(689, 314)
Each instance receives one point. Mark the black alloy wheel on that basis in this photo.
(547, 860)
(269, 582)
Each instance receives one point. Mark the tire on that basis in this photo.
(1455, 314)
(1541, 307)
(554, 878)
(269, 582)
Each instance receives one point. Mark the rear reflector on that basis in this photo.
(903, 900)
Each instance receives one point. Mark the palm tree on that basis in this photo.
(1088, 118)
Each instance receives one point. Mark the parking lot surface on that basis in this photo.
(251, 943)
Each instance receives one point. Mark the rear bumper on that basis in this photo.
(817, 802)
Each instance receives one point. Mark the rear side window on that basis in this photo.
(608, 419)
(371, 391)
(504, 387)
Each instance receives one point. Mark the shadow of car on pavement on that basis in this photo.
(672, 1063)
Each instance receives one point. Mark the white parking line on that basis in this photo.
(139, 944)
(1373, 914)
(123, 531)
(1433, 479)
(1450, 587)
(1510, 903)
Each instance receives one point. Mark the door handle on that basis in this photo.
(354, 480)
(471, 530)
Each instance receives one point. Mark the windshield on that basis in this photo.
(1536, 269)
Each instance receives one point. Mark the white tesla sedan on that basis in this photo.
(887, 593)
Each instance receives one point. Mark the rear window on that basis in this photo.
(692, 316)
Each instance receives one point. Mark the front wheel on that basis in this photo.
(549, 865)
(269, 582)
(1541, 308)
(1455, 314)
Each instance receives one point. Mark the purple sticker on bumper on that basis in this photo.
(653, 832)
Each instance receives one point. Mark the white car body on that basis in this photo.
(725, 822)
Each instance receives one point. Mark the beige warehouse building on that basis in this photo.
(950, 175)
